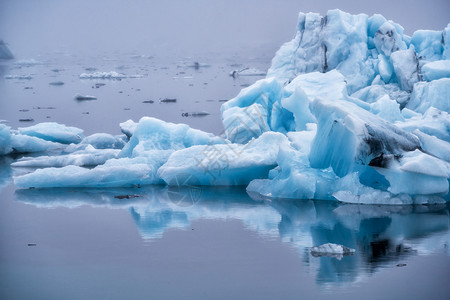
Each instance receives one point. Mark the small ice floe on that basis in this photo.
(108, 75)
(28, 62)
(168, 100)
(182, 77)
(331, 250)
(57, 83)
(195, 114)
(247, 72)
(85, 97)
(148, 101)
(103, 75)
(19, 77)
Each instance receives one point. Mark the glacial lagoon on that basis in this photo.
(192, 242)
(200, 242)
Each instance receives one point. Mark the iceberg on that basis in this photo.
(351, 110)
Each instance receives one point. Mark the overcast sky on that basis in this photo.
(88, 26)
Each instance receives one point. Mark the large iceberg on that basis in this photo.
(351, 109)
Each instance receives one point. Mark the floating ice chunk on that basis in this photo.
(428, 44)
(330, 249)
(104, 141)
(153, 134)
(124, 172)
(348, 135)
(103, 75)
(128, 127)
(434, 146)
(19, 77)
(433, 122)
(387, 40)
(5, 139)
(243, 124)
(406, 68)
(223, 164)
(12, 142)
(54, 132)
(88, 157)
(436, 70)
(27, 144)
(150, 146)
(247, 72)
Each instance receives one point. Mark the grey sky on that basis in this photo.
(33, 27)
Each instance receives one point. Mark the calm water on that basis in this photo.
(198, 243)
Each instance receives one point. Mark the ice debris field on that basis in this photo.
(351, 110)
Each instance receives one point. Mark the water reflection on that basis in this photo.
(5, 171)
(382, 235)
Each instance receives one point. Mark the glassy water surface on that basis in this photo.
(197, 243)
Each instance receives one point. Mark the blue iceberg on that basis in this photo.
(351, 109)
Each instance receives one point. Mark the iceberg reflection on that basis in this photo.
(381, 235)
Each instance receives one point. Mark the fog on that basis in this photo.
(179, 27)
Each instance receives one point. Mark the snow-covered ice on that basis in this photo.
(351, 109)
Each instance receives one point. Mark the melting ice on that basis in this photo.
(351, 109)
